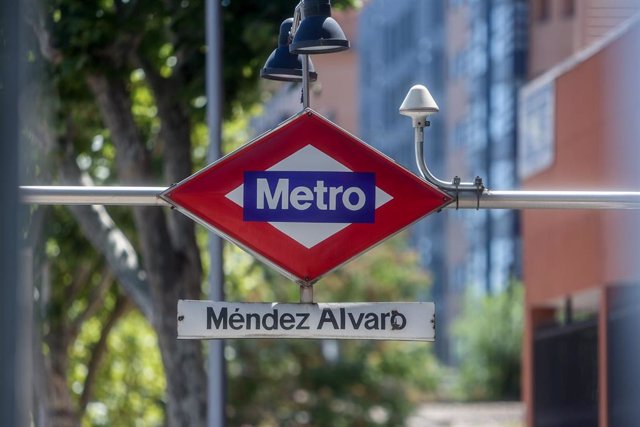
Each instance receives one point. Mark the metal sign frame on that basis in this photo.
(204, 197)
(396, 321)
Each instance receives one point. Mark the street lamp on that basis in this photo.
(419, 105)
(312, 30)
(318, 31)
(283, 65)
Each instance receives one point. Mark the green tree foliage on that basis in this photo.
(250, 32)
(126, 105)
(89, 35)
(129, 388)
(273, 382)
(337, 383)
(489, 337)
(70, 291)
(93, 342)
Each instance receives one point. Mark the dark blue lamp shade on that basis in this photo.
(283, 65)
(318, 32)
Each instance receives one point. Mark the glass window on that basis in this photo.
(568, 8)
(542, 10)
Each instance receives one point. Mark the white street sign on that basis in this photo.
(413, 321)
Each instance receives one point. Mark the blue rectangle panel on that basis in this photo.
(314, 197)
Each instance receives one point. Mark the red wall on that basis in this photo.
(597, 147)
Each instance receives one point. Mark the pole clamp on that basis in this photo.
(479, 190)
(456, 183)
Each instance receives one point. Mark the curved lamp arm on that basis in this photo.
(456, 185)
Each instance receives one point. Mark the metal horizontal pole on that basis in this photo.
(140, 196)
(67, 195)
(549, 200)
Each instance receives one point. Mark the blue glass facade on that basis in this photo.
(471, 55)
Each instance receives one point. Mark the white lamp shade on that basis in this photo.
(418, 103)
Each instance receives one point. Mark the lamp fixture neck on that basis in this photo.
(316, 8)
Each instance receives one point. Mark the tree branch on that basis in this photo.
(133, 165)
(121, 307)
(175, 132)
(175, 128)
(99, 228)
(35, 18)
(80, 279)
(110, 241)
(133, 158)
(95, 302)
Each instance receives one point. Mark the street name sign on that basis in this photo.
(305, 197)
(405, 321)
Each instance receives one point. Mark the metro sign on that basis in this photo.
(305, 197)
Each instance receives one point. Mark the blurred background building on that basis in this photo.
(471, 55)
(538, 93)
(402, 44)
(579, 130)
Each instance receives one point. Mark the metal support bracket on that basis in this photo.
(456, 186)
(306, 294)
(297, 18)
(479, 190)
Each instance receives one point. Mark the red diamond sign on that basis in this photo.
(305, 197)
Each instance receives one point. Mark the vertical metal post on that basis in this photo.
(568, 311)
(25, 340)
(305, 81)
(13, 331)
(306, 294)
(488, 226)
(216, 393)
